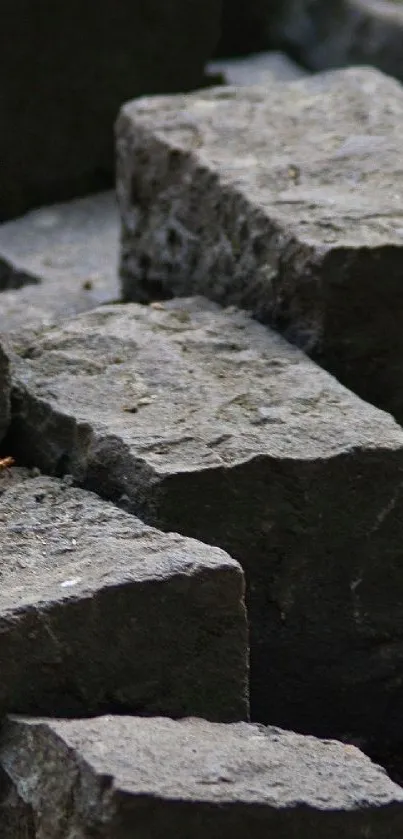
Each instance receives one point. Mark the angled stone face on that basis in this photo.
(124, 776)
(86, 61)
(5, 384)
(99, 611)
(285, 200)
(204, 422)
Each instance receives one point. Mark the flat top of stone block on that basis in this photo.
(194, 760)
(259, 68)
(187, 385)
(70, 250)
(79, 236)
(322, 154)
(58, 541)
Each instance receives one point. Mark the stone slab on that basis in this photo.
(260, 68)
(99, 612)
(202, 421)
(86, 61)
(5, 386)
(124, 776)
(283, 200)
(57, 262)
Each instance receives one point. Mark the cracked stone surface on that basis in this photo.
(119, 777)
(202, 421)
(5, 385)
(55, 263)
(99, 612)
(285, 200)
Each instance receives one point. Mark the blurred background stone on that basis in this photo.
(319, 34)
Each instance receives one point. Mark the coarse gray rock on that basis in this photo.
(122, 777)
(99, 612)
(57, 262)
(262, 68)
(202, 421)
(86, 60)
(285, 200)
(5, 386)
(11, 475)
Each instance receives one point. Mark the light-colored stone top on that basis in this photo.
(187, 385)
(194, 760)
(59, 542)
(322, 154)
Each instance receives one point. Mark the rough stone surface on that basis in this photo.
(261, 68)
(5, 385)
(99, 612)
(119, 777)
(86, 61)
(204, 422)
(287, 201)
(65, 257)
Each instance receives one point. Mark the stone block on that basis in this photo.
(86, 60)
(99, 612)
(202, 421)
(284, 200)
(120, 777)
(55, 263)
